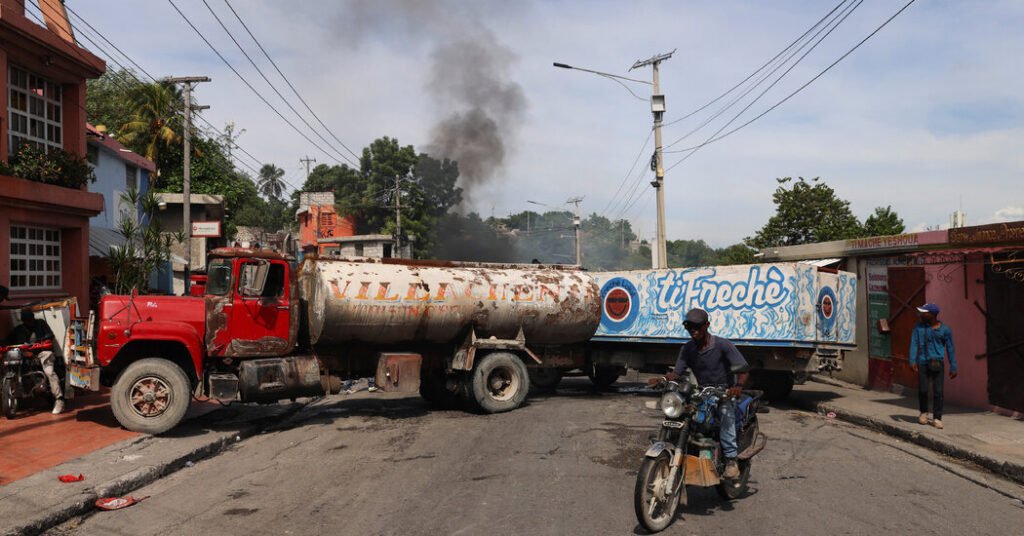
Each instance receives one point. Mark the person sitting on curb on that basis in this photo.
(930, 343)
(371, 386)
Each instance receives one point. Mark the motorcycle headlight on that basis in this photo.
(672, 405)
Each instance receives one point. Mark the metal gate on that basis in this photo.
(906, 294)
(1004, 333)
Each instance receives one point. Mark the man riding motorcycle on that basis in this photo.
(34, 331)
(712, 360)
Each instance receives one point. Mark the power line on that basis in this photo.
(151, 77)
(717, 137)
(830, 26)
(625, 179)
(287, 81)
(250, 86)
(751, 75)
(271, 84)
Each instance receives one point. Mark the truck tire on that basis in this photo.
(434, 389)
(545, 379)
(499, 382)
(151, 396)
(776, 384)
(604, 375)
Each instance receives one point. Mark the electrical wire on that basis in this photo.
(272, 86)
(751, 75)
(625, 179)
(287, 81)
(798, 90)
(249, 85)
(828, 28)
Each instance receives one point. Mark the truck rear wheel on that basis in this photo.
(546, 378)
(499, 382)
(151, 396)
(604, 375)
(434, 389)
(776, 384)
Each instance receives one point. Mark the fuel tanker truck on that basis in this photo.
(266, 330)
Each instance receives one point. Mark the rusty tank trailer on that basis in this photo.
(394, 301)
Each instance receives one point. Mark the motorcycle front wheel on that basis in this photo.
(8, 400)
(654, 504)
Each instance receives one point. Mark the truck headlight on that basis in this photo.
(672, 405)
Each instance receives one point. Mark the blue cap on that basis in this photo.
(929, 308)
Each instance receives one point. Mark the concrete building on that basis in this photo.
(44, 228)
(324, 232)
(207, 217)
(975, 275)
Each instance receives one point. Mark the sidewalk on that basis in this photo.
(992, 441)
(88, 441)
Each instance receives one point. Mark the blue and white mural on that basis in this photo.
(764, 303)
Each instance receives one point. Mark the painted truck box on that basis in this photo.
(786, 317)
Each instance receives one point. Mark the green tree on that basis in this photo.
(146, 247)
(806, 212)
(735, 254)
(883, 222)
(270, 182)
(108, 103)
(156, 121)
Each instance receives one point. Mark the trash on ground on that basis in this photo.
(70, 478)
(116, 503)
(831, 415)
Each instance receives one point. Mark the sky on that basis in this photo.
(927, 116)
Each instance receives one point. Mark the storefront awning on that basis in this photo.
(822, 263)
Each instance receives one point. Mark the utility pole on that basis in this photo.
(187, 175)
(658, 110)
(398, 216)
(306, 161)
(576, 223)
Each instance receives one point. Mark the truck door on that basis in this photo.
(260, 316)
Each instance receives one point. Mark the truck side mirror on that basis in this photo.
(253, 278)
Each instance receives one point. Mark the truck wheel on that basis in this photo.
(499, 382)
(545, 379)
(151, 396)
(604, 375)
(8, 399)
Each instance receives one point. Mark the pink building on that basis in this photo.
(974, 274)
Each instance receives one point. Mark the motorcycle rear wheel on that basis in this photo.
(655, 514)
(8, 400)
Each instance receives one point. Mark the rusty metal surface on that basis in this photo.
(250, 253)
(392, 302)
(399, 373)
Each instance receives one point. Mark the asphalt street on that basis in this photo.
(370, 464)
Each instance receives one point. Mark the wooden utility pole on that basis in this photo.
(307, 161)
(186, 186)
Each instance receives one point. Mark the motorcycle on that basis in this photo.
(21, 377)
(688, 451)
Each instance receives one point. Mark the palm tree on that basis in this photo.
(156, 119)
(270, 182)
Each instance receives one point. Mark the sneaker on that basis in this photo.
(937, 423)
(58, 406)
(732, 470)
(372, 389)
(923, 419)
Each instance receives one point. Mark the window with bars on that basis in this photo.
(35, 258)
(34, 105)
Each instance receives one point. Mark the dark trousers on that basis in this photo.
(926, 377)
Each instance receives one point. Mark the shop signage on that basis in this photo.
(206, 229)
(988, 234)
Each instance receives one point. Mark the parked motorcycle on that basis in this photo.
(22, 377)
(688, 452)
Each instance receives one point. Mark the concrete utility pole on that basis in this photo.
(398, 216)
(658, 110)
(576, 223)
(187, 175)
(306, 161)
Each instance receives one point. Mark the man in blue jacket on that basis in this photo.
(930, 343)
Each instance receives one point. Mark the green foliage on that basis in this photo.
(806, 212)
(108, 105)
(270, 181)
(49, 166)
(146, 247)
(883, 222)
(156, 123)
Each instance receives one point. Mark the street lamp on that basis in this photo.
(658, 110)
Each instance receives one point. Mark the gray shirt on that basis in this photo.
(712, 365)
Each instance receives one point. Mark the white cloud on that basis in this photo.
(1006, 214)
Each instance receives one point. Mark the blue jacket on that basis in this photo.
(927, 344)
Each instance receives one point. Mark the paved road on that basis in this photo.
(564, 464)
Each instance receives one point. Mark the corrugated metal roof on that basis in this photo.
(102, 239)
(821, 263)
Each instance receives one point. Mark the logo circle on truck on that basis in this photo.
(619, 304)
(827, 310)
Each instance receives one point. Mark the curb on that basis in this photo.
(83, 503)
(1012, 471)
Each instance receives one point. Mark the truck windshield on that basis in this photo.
(218, 281)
